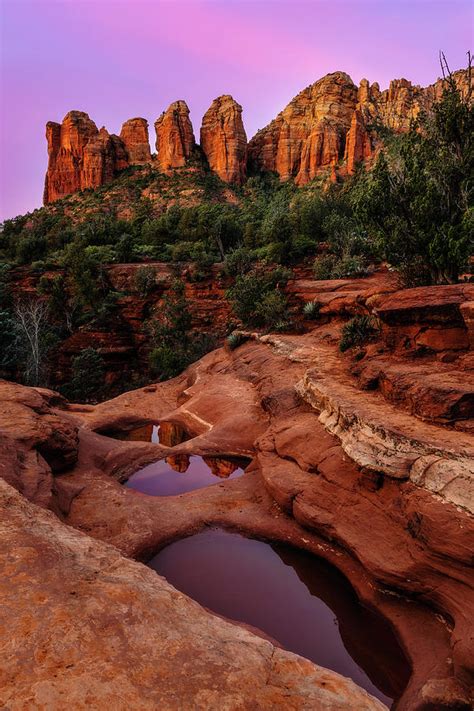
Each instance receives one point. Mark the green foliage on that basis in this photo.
(172, 347)
(144, 280)
(357, 331)
(311, 310)
(272, 309)
(5, 287)
(8, 341)
(236, 339)
(256, 297)
(323, 266)
(62, 306)
(87, 380)
(239, 261)
(418, 198)
(86, 275)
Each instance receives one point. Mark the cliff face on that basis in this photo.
(174, 136)
(223, 139)
(134, 135)
(326, 128)
(309, 134)
(80, 156)
(330, 123)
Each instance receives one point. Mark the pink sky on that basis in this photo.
(117, 59)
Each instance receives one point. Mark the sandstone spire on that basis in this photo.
(223, 139)
(80, 156)
(134, 135)
(174, 136)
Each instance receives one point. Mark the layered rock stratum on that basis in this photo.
(365, 459)
(330, 125)
(327, 129)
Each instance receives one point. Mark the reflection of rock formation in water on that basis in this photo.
(178, 462)
(139, 434)
(172, 433)
(222, 468)
(366, 635)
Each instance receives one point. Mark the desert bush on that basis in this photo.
(311, 310)
(357, 331)
(323, 266)
(238, 261)
(87, 380)
(256, 297)
(144, 280)
(236, 339)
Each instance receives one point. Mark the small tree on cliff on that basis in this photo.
(87, 376)
(170, 334)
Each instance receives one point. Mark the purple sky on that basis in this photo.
(117, 59)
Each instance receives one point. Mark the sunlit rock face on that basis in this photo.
(174, 136)
(309, 134)
(134, 135)
(80, 156)
(223, 139)
(327, 129)
(329, 126)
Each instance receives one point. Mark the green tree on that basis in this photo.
(257, 299)
(419, 196)
(87, 380)
(169, 334)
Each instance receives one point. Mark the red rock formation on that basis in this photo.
(134, 135)
(308, 136)
(80, 156)
(223, 139)
(331, 120)
(174, 136)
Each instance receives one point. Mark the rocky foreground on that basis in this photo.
(364, 458)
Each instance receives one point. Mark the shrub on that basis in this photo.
(236, 339)
(357, 331)
(349, 267)
(87, 376)
(144, 280)
(167, 361)
(238, 262)
(311, 310)
(323, 266)
(272, 309)
(256, 297)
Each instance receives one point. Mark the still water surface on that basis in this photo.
(294, 597)
(180, 473)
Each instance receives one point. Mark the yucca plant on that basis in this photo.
(311, 310)
(357, 331)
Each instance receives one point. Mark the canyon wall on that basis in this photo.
(328, 128)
